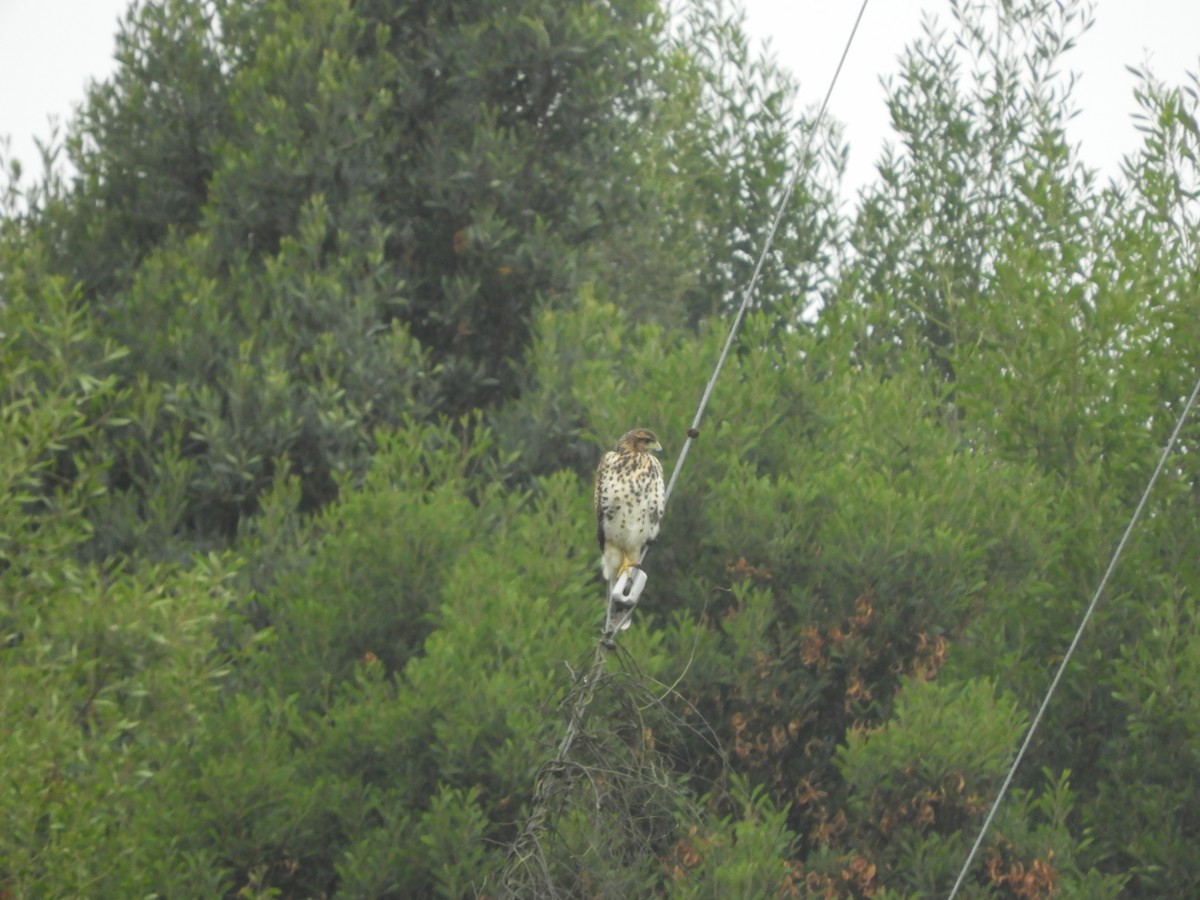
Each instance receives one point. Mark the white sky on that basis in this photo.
(49, 49)
(807, 37)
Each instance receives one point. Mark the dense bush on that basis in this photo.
(304, 376)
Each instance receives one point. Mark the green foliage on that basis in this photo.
(103, 673)
(301, 387)
(742, 855)
(307, 221)
(145, 145)
(373, 584)
(1148, 786)
(291, 367)
(981, 156)
(916, 783)
(57, 394)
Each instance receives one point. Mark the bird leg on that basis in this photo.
(627, 563)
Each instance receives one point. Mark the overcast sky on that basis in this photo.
(807, 37)
(49, 49)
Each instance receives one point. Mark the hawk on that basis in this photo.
(629, 499)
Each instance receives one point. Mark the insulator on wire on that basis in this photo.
(623, 599)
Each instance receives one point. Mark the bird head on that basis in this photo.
(640, 440)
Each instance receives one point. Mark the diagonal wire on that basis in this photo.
(1078, 635)
(523, 850)
(693, 432)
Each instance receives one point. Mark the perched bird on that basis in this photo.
(629, 498)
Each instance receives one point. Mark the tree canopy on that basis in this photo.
(307, 360)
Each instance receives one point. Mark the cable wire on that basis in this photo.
(1078, 636)
(693, 432)
(522, 851)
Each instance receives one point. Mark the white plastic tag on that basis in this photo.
(624, 597)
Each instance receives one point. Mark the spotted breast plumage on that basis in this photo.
(630, 499)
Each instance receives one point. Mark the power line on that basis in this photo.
(1037, 719)
(694, 431)
(523, 850)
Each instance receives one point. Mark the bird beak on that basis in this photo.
(657, 448)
